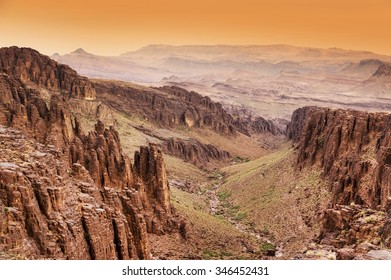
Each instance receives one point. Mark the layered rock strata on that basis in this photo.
(70, 195)
(32, 67)
(194, 151)
(174, 107)
(354, 150)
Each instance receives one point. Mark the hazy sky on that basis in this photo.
(115, 26)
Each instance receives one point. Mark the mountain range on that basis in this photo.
(271, 81)
(99, 167)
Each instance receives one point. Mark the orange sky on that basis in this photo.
(115, 26)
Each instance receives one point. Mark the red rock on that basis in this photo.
(31, 66)
(354, 150)
(194, 151)
(64, 194)
(352, 147)
(173, 106)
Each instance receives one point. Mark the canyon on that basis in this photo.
(207, 179)
(67, 194)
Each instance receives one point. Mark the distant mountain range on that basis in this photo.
(252, 76)
(155, 62)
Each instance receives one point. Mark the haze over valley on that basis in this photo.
(271, 81)
(195, 130)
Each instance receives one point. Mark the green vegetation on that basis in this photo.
(219, 239)
(223, 195)
(212, 254)
(216, 175)
(320, 141)
(239, 159)
(240, 215)
(266, 246)
(274, 199)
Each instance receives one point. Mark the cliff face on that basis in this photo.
(352, 147)
(172, 107)
(65, 194)
(354, 150)
(194, 152)
(31, 66)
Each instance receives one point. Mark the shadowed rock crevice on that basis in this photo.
(87, 237)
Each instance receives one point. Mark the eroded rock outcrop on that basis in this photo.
(354, 150)
(31, 66)
(173, 107)
(70, 195)
(194, 151)
(383, 70)
(352, 147)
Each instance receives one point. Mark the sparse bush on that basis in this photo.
(320, 141)
(207, 254)
(222, 195)
(239, 159)
(240, 215)
(267, 247)
(215, 175)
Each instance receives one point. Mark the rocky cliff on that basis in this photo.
(383, 70)
(32, 67)
(173, 107)
(354, 150)
(194, 151)
(70, 195)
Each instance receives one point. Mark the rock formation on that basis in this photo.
(352, 147)
(354, 150)
(32, 67)
(194, 151)
(69, 195)
(173, 107)
(383, 70)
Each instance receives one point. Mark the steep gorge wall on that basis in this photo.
(352, 147)
(354, 150)
(65, 194)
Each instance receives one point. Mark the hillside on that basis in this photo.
(204, 180)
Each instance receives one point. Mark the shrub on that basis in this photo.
(240, 215)
(223, 195)
(266, 247)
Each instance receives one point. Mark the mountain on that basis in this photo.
(384, 70)
(32, 67)
(65, 194)
(279, 78)
(249, 53)
(206, 180)
(95, 66)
